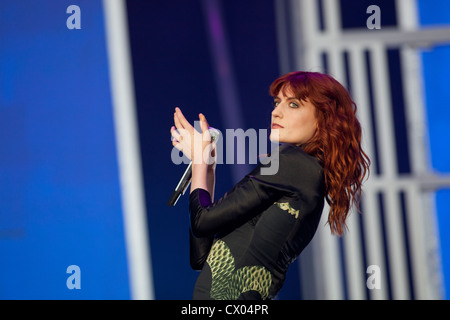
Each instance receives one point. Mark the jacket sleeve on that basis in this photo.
(199, 250)
(199, 247)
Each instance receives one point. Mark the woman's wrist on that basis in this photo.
(199, 176)
(203, 177)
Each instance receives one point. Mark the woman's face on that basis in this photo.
(294, 121)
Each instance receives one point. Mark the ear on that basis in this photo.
(316, 130)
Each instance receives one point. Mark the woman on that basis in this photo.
(244, 242)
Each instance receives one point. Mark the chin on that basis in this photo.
(274, 138)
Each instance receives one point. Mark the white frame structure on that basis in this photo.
(130, 168)
(323, 264)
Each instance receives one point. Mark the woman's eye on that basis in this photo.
(293, 105)
(275, 103)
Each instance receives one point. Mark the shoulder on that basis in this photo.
(289, 164)
(293, 158)
(301, 172)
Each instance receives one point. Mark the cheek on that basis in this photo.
(313, 125)
(312, 128)
(304, 127)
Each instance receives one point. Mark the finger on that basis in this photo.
(182, 120)
(203, 118)
(177, 145)
(204, 124)
(180, 128)
(175, 134)
(176, 138)
(177, 122)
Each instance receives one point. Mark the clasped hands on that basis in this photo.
(196, 146)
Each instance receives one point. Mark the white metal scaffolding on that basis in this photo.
(396, 230)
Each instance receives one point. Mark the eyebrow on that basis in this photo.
(290, 98)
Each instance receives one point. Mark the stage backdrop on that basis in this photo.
(436, 80)
(61, 229)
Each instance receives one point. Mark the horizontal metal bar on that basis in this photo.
(389, 37)
(427, 182)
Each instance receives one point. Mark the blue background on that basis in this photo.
(59, 185)
(436, 68)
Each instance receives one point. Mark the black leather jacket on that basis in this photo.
(250, 236)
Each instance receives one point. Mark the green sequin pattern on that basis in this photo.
(287, 207)
(228, 283)
(221, 263)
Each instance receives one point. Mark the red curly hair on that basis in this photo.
(336, 142)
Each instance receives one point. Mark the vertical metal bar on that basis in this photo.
(134, 211)
(354, 263)
(415, 110)
(332, 18)
(306, 18)
(407, 15)
(375, 253)
(417, 148)
(371, 222)
(328, 266)
(309, 18)
(330, 244)
(336, 69)
(336, 64)
(420, 238)
(383, 112)
(385, 129)
(434, 276)
(420, 257)
(416, 201)
(328, 273)
(330, 263)
(352, 240)
(304, 27)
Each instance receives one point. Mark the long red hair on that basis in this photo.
(336, 142)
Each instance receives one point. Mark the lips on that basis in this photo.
(276, 126)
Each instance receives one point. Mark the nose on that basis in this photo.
(277, 113)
